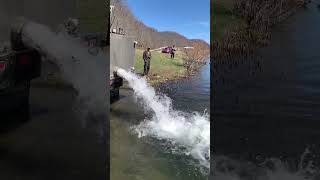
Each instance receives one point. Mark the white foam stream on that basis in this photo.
(189, 131)
(87, 73)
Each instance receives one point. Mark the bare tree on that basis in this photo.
(195, 56)
(259, 17)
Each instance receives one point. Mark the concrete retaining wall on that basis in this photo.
(122, 52)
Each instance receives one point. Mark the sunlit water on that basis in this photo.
(166, 138)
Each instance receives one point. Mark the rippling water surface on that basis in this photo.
(268, 106)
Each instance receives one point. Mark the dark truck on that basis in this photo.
(18, 66)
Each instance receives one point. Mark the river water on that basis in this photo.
(267, 108)
(147, 157)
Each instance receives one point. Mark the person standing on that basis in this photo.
(172, 52)
(146, 58)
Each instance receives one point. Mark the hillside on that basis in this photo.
(146, 36)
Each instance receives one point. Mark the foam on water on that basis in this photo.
(86, 73)
(189, 131)
(225, 168)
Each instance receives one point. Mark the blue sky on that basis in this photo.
(191, 18)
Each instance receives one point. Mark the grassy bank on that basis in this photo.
(162, 67)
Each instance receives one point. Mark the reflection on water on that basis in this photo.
(147, 158)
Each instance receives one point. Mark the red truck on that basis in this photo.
(167, 50)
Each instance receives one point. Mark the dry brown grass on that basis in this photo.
(258, 17)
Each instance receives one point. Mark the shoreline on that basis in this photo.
(163, 69)
(244, 39)
(243, 62)
(160, 83)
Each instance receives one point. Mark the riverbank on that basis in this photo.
(162, 67)
(239, 32)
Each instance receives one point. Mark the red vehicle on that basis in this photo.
(167, 50)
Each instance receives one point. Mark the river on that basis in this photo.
(268, 106)
(148, 158)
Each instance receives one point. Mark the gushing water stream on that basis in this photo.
(188, 131)
(85, 72)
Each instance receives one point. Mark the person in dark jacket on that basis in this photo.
(172, 52)
(146, 58)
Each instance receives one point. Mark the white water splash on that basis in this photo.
(190, 131)
(86, 73)
(225, 168)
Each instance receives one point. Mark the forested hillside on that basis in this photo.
(146, 36)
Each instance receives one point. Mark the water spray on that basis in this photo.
(87, 73)
(190, 132)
